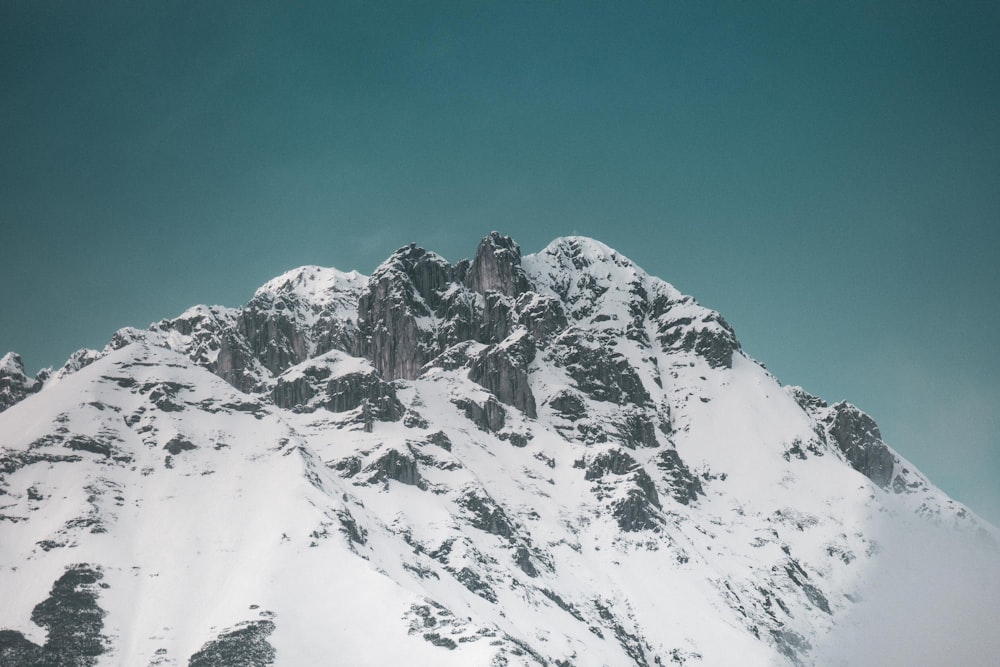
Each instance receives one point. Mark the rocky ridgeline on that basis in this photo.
(535, 407)
(15, 386)
(579, 305)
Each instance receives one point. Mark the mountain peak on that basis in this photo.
(15, 385)
(315, 284)
(11, 364)
(497, 267)
(584, 251)
(510, 459)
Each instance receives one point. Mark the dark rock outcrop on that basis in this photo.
(72, 620)
(296, 393)
(235, 362)
(800, 578)
(636, 429)
(637, 508)
(542, 316)
(78, 360)
(16, 649)
(811, 404)
(568, 405)
(635, 512)
(490, 416)
(497, 267)
(497, 318)
(395, 308)
(246, 645)
(15, 386)
(684, 486)
(353, 390)
(272, 334)
(598, 371)
(486, 515)
(203, 327)
(178, 444)
(709, 336)
(397, 466)
(858, 438)
(613, 461)
(503, 371)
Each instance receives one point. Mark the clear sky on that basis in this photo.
(827, 175)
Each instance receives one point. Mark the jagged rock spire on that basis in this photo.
(497, 267)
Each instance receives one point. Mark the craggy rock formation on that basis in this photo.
(709, 336)
(72, 619)
(599, 372)
(503, 370)
(613, 462)
(542, 316)
(529, 453)
(684, 486)
(398, 466)
(14, 384)
(418, 312)
(497, 267)
(489, 416)
(348, 392)
(858, 438)
(618, 476)
(273, 337)
(394, 313)
(245, 645)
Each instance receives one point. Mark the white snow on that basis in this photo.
(222, 508)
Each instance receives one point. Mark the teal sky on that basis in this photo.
(827, 175)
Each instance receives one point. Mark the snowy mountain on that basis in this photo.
(554, 459)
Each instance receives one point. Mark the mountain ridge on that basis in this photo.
(524, 456)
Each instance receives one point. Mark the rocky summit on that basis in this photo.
(544, 459)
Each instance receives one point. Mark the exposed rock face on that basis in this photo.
(16, 649)
(299, 315)
(235, 362)
(394, 312)
(708, 335)
(274, 338)
(398, 466)
(542, 316)
(418, 312)
(568, 405)
(14, 384)
(636, 429)
(245, 645)
(598, 371)
(201, 331)
(613, 461)
(503, 370)
(497, 318)
(497, 267)
(348, 392)
(635, 503)
(489, 416)
(529, 453)
(417, 306)
(684, 486)
(296, 393)
(811, 404)
(77, 360)
(635, 512)
(72, 619)
(858, 437)
(487, 515)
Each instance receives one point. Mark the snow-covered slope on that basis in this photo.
(555, 459)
